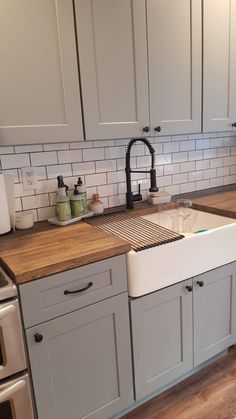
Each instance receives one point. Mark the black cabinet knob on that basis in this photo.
(146, 129)
(189, 288)
(157, 129)
(200, 283)
(38, 338)
(234, 125)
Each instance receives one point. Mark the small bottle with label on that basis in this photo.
(96, 205)
(77, 203)
(82, 190)
(63, 210)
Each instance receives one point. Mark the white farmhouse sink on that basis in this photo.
(161, 266)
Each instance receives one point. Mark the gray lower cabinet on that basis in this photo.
(162, 337)
(82, 366)
(214, 312)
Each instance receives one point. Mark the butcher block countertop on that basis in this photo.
(46, 250)
(223, 203)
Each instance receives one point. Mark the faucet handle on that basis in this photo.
(139, 188)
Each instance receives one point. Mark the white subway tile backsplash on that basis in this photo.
(180, 178)
(15, 161)
(55, 146)
(184, 163)
(202, 164)
(28, 148)
(187, 187)
(194, 176)
(171, 169)
(233, 170)
(95, 154)
(195, 155)
(202, 144)
(228, 180)
(46, 186)
(108, 190)
(143, 161)
(6, 150)
(96, 179)
(56, 170)
(233, 151)
(210, 154)
(172, 189)
(105, 166)
(18, 204)
(163, 159)
(69, 156)
(216, 163)
(83, 168)
(222, 171)
(80, 144)
(116, 200)
(187, 145)
(223, 152)
(228, 161)
(115, 152)
(164, 181)
(187, 167)
(215, 182)
(104, 143)
(43, 159)
(216, 142)
(210, 173)
(172, 147)
(179, 157)
(46, 213)
(19, 191)
(36, 201)
(116, 177)
(202, 184)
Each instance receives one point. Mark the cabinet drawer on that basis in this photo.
(45, 298)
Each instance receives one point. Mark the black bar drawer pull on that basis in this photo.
(90, 284)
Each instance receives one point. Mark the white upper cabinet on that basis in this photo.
(113, 39)
(39, 83)
(219, 69)
(113, 64)
(174, 51)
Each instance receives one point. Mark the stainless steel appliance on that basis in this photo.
(15, 398)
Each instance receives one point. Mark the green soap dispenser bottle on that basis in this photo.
(77, 203)
(82, 190)
(63, 210)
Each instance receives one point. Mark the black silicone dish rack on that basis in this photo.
(140, 233)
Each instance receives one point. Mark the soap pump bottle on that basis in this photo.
(77, 203)
(63, 210)
(82, 190)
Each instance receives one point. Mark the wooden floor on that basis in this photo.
(208, 394)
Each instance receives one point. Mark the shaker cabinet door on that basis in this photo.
(161, 337)
(214, 312)
(81, 362)
(219, 65)
(113, 63)
(174, 53)
(39, 82)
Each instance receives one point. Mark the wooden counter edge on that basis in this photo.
(42, 272)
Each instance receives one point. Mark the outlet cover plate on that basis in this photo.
(29, 178)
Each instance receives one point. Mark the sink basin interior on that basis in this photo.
(190, 223)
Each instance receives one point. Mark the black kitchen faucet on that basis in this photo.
(130, 197)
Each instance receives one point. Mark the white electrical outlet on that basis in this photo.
(29, 178)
